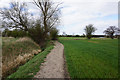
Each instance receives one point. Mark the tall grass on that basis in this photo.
(16, 52)
(29, 69)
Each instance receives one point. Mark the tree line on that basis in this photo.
(109, 32)
(23, 23)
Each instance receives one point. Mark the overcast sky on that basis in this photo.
(76, 14)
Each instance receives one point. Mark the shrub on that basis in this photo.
(14, 33)
(54, 34)
(37, 34)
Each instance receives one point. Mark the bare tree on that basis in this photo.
(111, 31)
(64, 34)
(89, 30)
(50, 13)
(16, 16)
(39, 29)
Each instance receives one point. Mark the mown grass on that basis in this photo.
(96, 58)
(29, 69)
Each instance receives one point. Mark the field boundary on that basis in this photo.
(66, 73)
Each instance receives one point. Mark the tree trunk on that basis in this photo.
(112, 37)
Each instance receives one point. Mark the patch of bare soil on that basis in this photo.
(76, 39)
(54, 65)
(93, 41)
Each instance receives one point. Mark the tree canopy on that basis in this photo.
(111, 30)
(89, 30)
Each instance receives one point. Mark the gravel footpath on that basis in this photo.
(53, 67)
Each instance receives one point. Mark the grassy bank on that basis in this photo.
(12, 47)
(29, 69)
(96, 58)
(16, 52)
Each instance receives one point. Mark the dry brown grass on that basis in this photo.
(20, 51)
(21, 59)
(23, 39)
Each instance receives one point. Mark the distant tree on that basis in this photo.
(83, 35)
(64, 34)
(111, 31)
(77, 35)
(89, 30)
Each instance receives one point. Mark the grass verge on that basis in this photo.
(29, 69)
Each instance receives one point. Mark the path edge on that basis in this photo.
(66, 73)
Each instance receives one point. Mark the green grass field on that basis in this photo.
(95, 58)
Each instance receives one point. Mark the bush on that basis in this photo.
(14, 33)
(4, 33)
(37, 34)
(54, 34)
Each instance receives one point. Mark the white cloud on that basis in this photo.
(76, 14)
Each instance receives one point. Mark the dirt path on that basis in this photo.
(53, 67)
